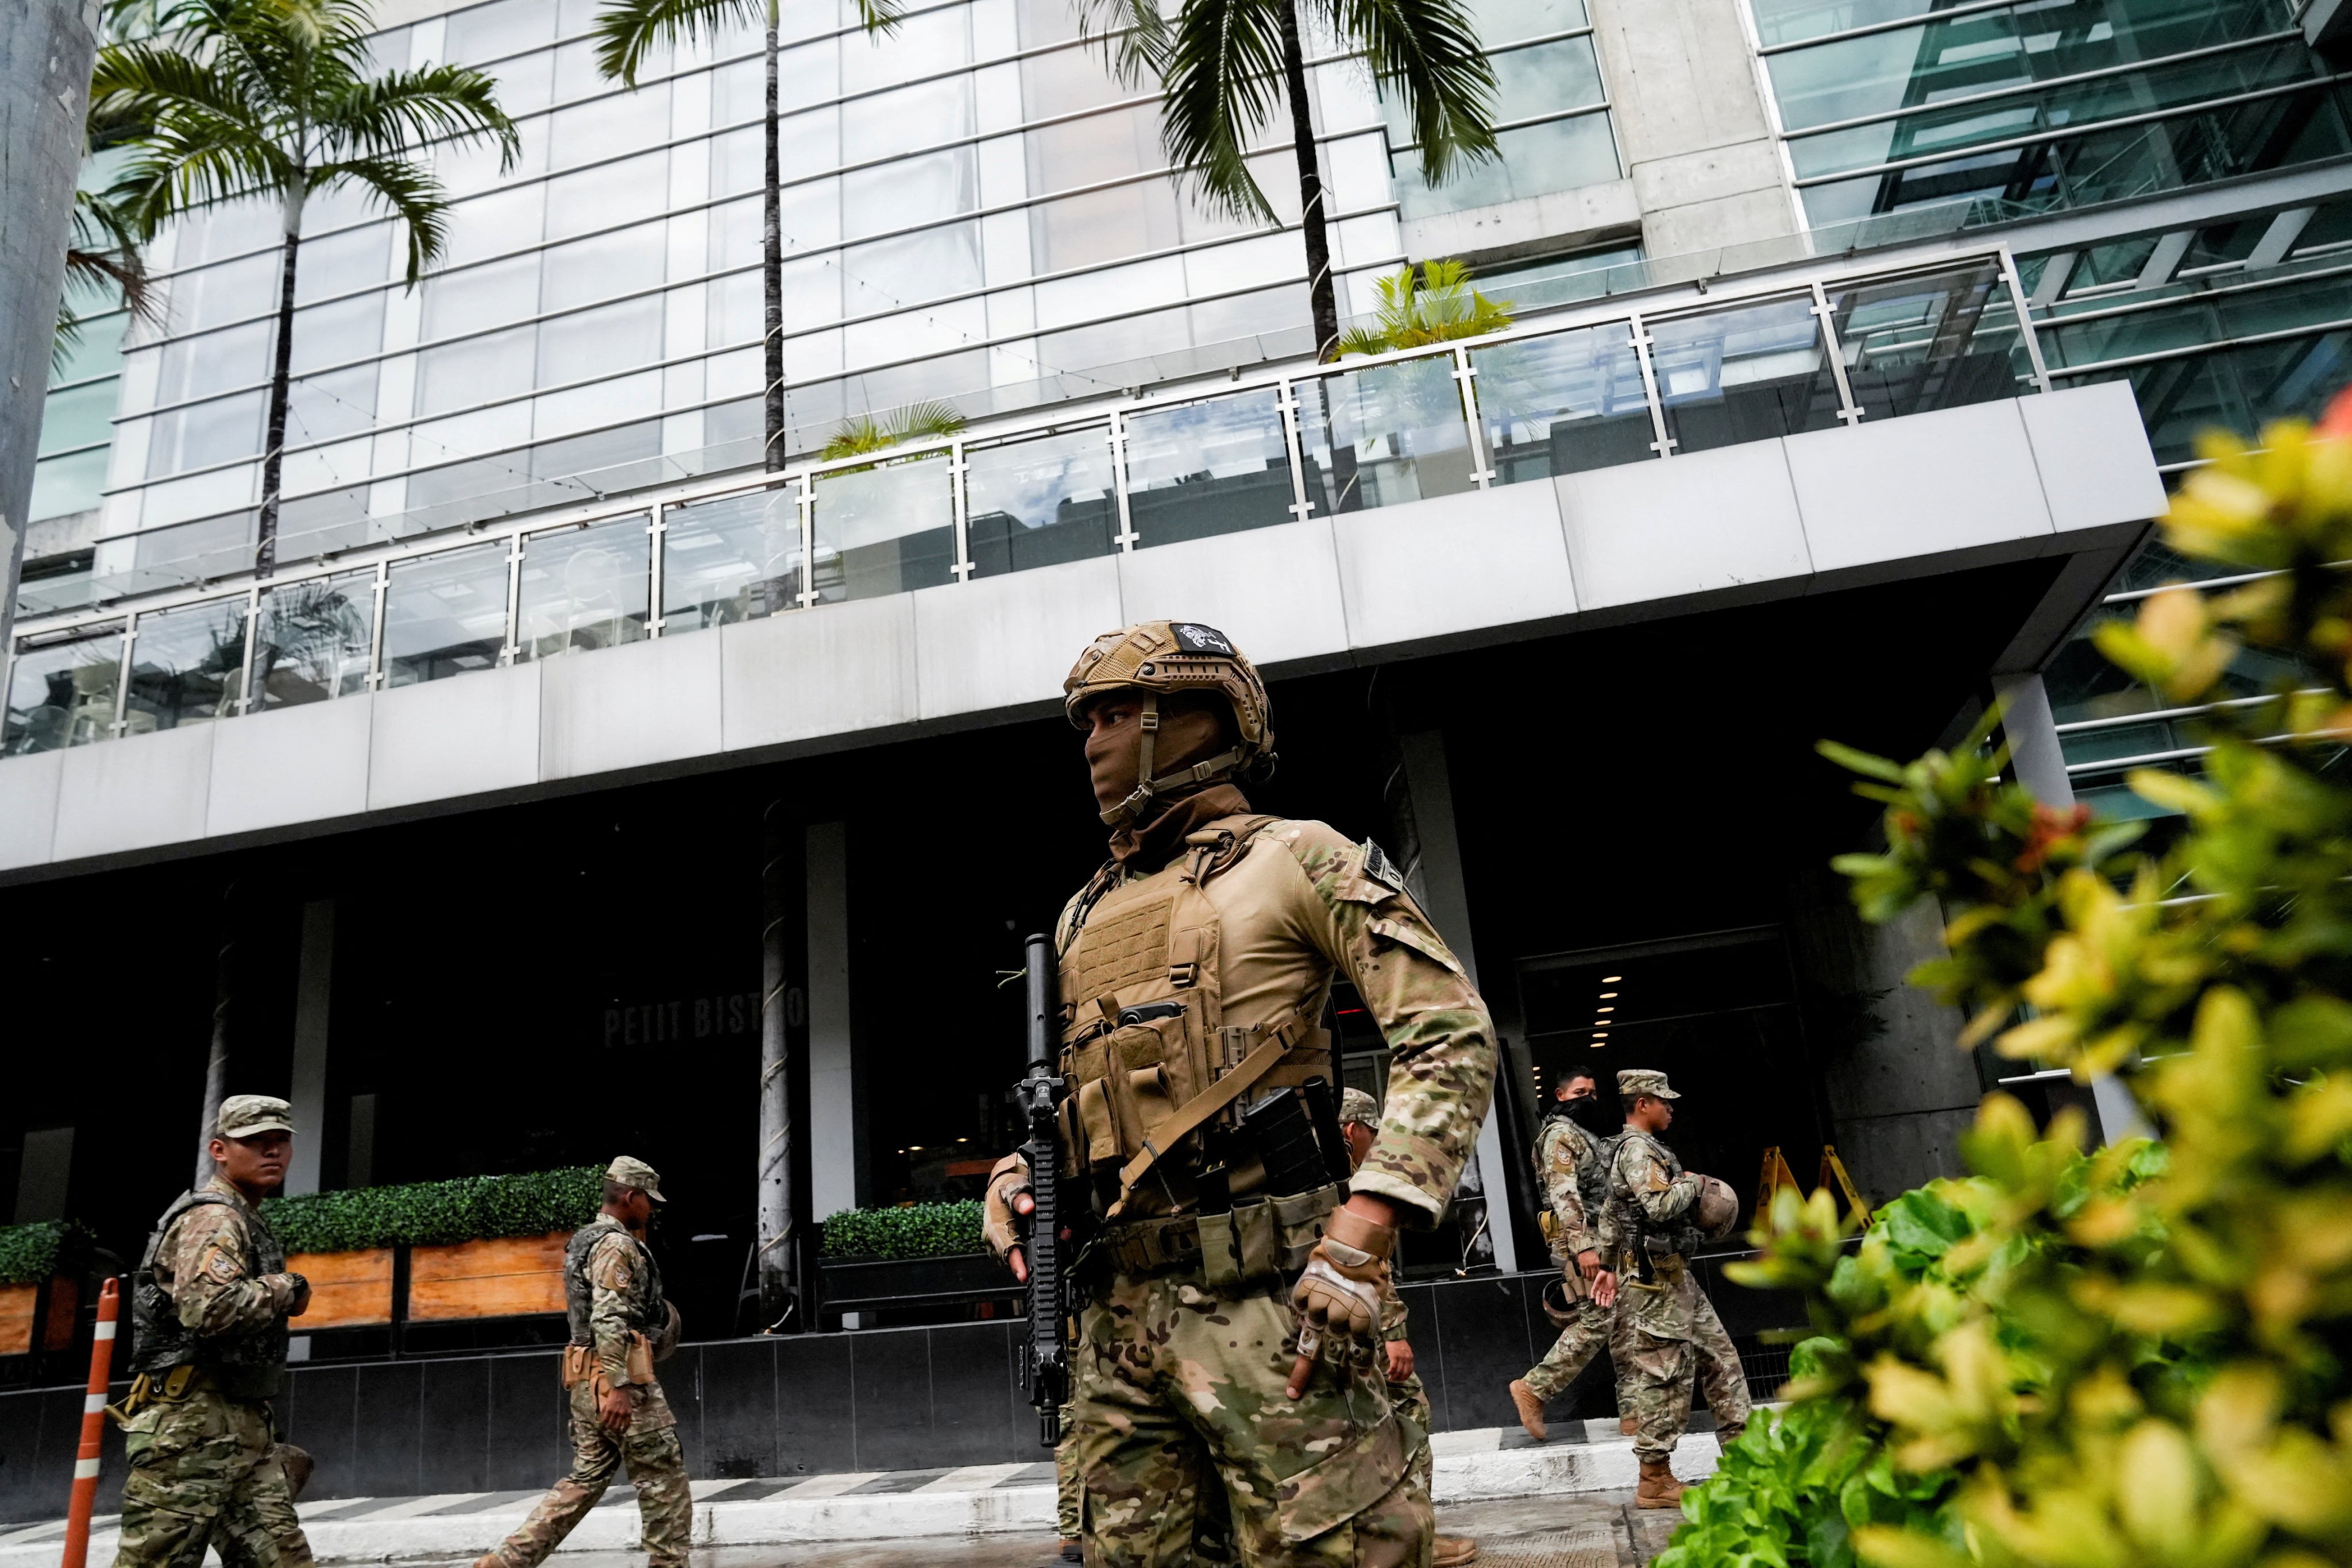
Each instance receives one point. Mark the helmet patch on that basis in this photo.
(1193, 637)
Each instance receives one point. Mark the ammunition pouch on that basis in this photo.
(1242, 1251)
(641, 1359)
(579, 1365)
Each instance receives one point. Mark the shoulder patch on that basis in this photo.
(222, 1266)
(1379, 868)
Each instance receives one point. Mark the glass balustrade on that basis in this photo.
(445, 615)
(584, 588)
(885, 530)
(1563, 403)
(1218, 466)
(1039, 502)
(1546, 404)
(61, 691)
(187, 667)
(1384, 434)
(736, 558)
(314, 640)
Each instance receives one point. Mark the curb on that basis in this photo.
(1470, 1467)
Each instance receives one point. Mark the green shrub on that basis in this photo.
(424, 1213)
(29, 1253)
(917, 1230)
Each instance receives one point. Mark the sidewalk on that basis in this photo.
(1473, 1467)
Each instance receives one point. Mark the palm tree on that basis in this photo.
(1224, 63)
(233, 99)
(627, 32)
(104, 262)
(916, 421)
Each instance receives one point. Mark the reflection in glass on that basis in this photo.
(584, 588)
(1940, 340)
(187, 666)
(1747, 374)
(1039, 502)
(885, 530)
(1218, 465)
(312, 640)
(1387, 434)
(734, 559)
(1563, 404)
(445, 615)
(61, 692)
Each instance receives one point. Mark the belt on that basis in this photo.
(1152, 1245)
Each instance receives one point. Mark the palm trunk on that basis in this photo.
(1322, 298)
(281, 376)
(216, 1058)
(778, 1244)
(771, 263)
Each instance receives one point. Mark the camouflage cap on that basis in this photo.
(1355, 1105)
(1636, 1081)
(250, 1115)
(628, 1173)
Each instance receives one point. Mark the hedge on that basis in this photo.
(29, 1253)
(424, 1213)
(917, 1230)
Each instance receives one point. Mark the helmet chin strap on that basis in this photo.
(1148, 788)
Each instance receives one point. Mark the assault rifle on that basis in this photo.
(1045, 1364)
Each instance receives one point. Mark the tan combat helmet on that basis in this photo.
(1161, 657)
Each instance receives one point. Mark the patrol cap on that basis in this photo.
(1355, 1105)
(1636, 1081)
(627, 1172)
(250, 1115)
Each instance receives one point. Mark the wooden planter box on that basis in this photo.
(348, 1289)
(855, 1284)
(21, 1310)
(510, 1278)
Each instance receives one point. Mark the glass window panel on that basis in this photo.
(620, 458)
(1942, 341)
(601, 342)
(734, 559)
(1786, 21)
(1528, 82)
(229, 228)
(739, 162)
(1088, 152)
(598, 268)
(2225, 244)
(480, 298)
(202, 547)
(608, 127)
(313, 640)
(63, 485)
(929, 189)
(325, 406)
(216, 361)
(61, 692)
(1068, 80)
(584, 588)
(338, 334)
(505, 28)
(1747, 373)
(576, 75)
(1563, 404)
(525, 82)
(98, 351)
(203, 434)
(187, 666)
(608, 196)
(885, 530)
(474, 168)
(1088, 230)
(495, 225)
(913, 268)
(474, 370)
(232, 291)
(1218, 466)
(445, 615)
(925, 44)
(335, 263)
(1537, 159)
(1040, 502)
(1501, 21)
(1382, 434)
(77, 417)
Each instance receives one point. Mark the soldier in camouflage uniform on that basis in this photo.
(1194, 971)
(613, 1294)
(1678, 1338)
(1568, 1162)
(209, 1304)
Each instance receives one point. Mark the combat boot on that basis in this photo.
(1452, 1551)
(1530, 1409)
(1658, 1489)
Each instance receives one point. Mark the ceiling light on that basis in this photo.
(1611, 979)
(1605, 1009)
(1606, 995)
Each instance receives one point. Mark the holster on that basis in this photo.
(579, 1365)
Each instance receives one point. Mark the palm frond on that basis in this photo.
(1427, 52)
(1436, 305)
(407, 191)
(880, 17)
(387, 115)
(916, 421)
(102, 258)
(198, 139)
(1132, 34)
(1222, 82)
(626, 32)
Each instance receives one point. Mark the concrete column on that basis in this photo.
(307, 1093)
(46, 50)
(2040, 759)
(778, 1262)
(359, 1161)
(836, 1171)
(1446, 898)
(43, 1175)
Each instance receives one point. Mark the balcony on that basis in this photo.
(1775, 438)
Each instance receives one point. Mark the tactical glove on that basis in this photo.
(294, 1291)
(1004, 1225)
(1340, 1293)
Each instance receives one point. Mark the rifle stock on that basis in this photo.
(1045, 1357)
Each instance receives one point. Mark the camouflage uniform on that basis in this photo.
(1069, 1514)
(625, 1291)
(210, 1305)
(1678, 1338)
(1177, 1384)
(1568, 1160)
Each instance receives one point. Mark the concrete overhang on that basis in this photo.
(2064, 474)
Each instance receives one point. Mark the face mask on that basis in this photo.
(1591, 1115)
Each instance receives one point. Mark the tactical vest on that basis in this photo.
(1591, 1174)
(646, 1315)
(1151, 1064)
(1671, 1242)
(249, 1364)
